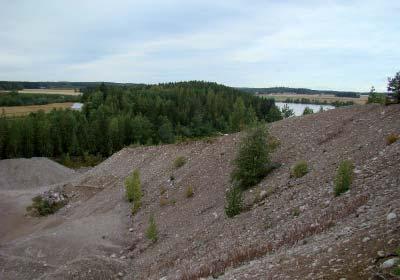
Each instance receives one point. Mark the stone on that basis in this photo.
(391, 216)
(389, 263)
(263, 194)
(366, 239)
(381, 254)
(120, 274)
(130, 229)
(113, 256)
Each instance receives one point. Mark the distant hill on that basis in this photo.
(282, 90)
(19, 85)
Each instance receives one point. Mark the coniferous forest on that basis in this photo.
(115, 116)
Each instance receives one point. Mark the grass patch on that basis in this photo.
(189, 191)
(300, 169)
(152, 232)
(180, 161)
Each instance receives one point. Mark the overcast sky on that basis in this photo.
(342, 45)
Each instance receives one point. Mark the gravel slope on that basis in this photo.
(298, 231)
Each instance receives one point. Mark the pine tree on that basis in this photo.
(252, 162)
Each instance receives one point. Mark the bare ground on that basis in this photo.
(298, 231)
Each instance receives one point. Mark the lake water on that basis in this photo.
(298, 108)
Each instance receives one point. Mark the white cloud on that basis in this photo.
(330, 44)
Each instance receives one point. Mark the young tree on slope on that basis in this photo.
(394, 86)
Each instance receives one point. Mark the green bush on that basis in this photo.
(43, 207)
(252, 162)
(344, 177)
(152, 232)
(300, 169)
(234, 202)
(134, 191)
(376, 97)
(308, 111)
(179, 162)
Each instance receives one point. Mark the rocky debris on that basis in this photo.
(55, 196)
(389, 263)
(267, 241)
(381, 254)
(391, 216)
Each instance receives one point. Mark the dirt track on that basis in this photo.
(90, 238)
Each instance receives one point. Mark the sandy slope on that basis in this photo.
(327, 238)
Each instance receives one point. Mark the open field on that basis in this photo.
(15, 111)
(51, 91)
(329, 98)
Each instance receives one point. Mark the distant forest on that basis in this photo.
(22, 99)
(281, 90)
(10, 85)
(115, 116)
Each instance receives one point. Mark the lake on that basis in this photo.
(298, 108)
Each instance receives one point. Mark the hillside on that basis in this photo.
(299, 230)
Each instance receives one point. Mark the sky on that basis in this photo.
(338, 45)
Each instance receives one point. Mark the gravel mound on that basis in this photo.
(22, 174)
(298, 230)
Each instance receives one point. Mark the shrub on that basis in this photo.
(234, 202)
(134, 191)
(392, 138)
(375, 97)
(308, 111)
(151, 232)
(43, 207)
(179, 161)
(189, 192)
(344, 177)
(252, 162)
(286, 111)
(300, 169)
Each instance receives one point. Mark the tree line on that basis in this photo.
(115, 116)
(14, 98)
(282, 90)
